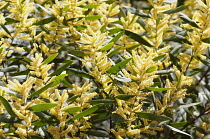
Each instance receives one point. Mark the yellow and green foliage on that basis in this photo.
(104, 68)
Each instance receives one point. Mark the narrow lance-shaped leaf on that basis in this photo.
(80, 73)
(8, 119)
(186, 19)
(7, 106)
(136, 12)
(45, 21)
(5, 29)
(137, 38)
(85, 112)
(158, 89)
(42, 107)
(116, 68)
(151, 116)
(95, 17)
(176, 10)
(73, 109)
(151, 69)
(177, 130)
(114, 52)
(107, 47)
(117, 37)
(57, 80)
(174, 61)
(104, 101)
(10, 21)
(50, 58)
(62, 68)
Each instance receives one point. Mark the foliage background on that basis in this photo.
(110, 69)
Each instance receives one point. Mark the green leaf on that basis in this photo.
(189, 105)
(158, 58)
(10, 21)
(1, 137)
(45, 21)
(177, 38)
(151, 69)
(206, 40)
(95, 17)
(1, 49)
(124, 97)
(50, 58)
(90, 6)
(104, 101)
(119, 66)
(136, 12)
(62, 68)
(177, 130)
(114, 30)
(114, 52)
(176, 10)
(205, 62)
(137, 38)
(5, 29)
(85, 112)
(117, 37)
(178, 125)
(67, 84)
(158, 89)
(96, 133)
(117, 118)
(80, 27)
(174, 61)
(186, 19)
(7, 106)
(56, 81)
(77, 53)
(73, 109)
(8, 119)
(153, 117)
(65, 8)
(107, 47)
(80, 73)
(9, 69)
(42, 107)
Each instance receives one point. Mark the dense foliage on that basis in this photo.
(104, 68)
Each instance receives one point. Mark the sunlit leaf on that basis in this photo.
(90, 6)
(73, 109)
(95, 17)
(151, 69)
(42, 107)
(50, 58)
(119, 66)
(178, 125)
(104, 101)
(107, 47)
(158, 89)
(86, 112)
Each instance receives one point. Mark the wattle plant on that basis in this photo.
(84, 69)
